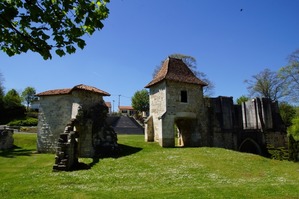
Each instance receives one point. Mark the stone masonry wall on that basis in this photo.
(54, 113)
(193, 110)
(157, 107)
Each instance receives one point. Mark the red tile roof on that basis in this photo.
(125, 108)
(70, 90)
(175, 70)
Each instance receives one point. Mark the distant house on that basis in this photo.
(126, 110)
(57, 108)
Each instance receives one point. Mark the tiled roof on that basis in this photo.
(175, 70)
(125, 108)
(55, 92)
(69, 90)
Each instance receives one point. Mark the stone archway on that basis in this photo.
(250, 146)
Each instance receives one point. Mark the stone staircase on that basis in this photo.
(127, 125)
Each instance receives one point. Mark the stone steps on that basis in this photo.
(125, 125)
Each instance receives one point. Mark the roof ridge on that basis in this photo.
(70, 90)
(175, 69)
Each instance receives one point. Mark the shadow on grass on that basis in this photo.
(121, 151)
(15, 151)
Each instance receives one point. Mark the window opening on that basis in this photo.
(184, 96)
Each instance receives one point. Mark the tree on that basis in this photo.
(12, 98)
(294, 129)
(1, 87)
(13, 107)
(267, 84)
(242, 99)
(45, 25)
(28, 95)
(1, 98)
(287, 112)
(140, 100)
(191, 63)
(290, 74)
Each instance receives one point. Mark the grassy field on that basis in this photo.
(145, 170)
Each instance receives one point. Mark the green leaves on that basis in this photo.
(60, 52)
(140, 100)
(47, 25)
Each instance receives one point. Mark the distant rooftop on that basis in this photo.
(125, 108)
(70, 90)
(176, 70)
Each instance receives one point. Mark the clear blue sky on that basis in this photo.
(229, 45)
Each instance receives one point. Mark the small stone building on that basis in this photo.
(176, 98)
(57, 108)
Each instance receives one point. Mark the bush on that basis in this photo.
(33, 114)
(27, 122)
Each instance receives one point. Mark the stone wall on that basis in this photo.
(157, 109)
(188, 116)
(223, 126)
(54, 113)
(258, 114)
(254, 126)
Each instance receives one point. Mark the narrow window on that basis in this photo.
(184, 96)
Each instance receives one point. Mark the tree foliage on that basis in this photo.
(13, 107)
(294, 129)
(290, 74)
(12, 99)
(242, 99)
(140, 100)
(267, 84)
(287, 112)
(1, 98)
(1, 90)
(45, 25)
(28, 95)
(192, 64)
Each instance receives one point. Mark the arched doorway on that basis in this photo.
(250, 146)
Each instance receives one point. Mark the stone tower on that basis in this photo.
(176, 99)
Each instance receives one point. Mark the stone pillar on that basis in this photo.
(85, 140)
(149, 129)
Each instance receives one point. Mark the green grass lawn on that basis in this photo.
(145, 170)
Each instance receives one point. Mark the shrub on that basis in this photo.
(33, 114)
(26, 122)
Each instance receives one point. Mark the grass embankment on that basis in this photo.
(145, 170)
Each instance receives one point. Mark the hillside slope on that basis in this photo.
(145, 170)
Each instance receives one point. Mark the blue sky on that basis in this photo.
(229, 45)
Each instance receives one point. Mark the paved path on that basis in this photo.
(127, 125)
